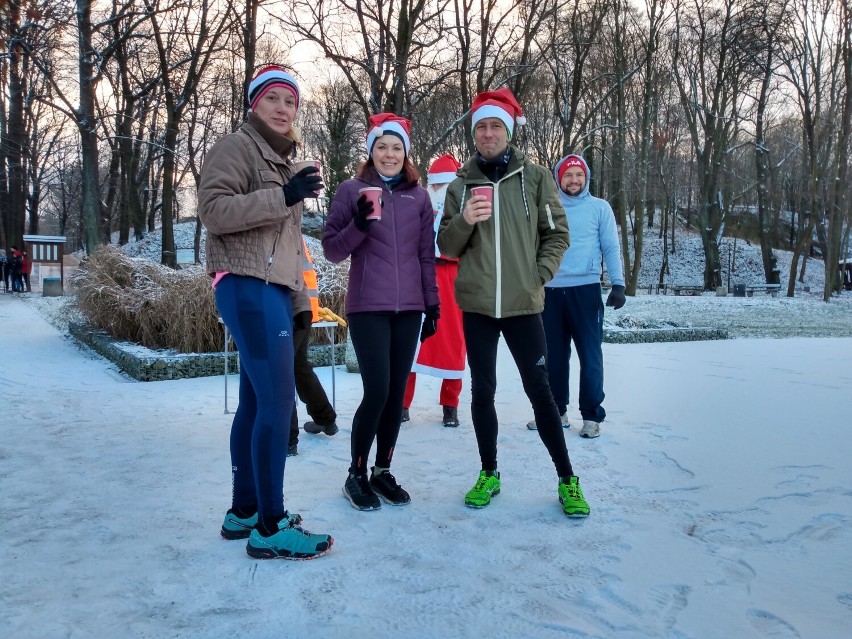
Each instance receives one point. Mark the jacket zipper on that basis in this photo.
(271, 258)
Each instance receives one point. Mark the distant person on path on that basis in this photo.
(442, 356)
(16, 265)
(5, 269)
(507, 251)
(308, 386)
(26, 269)
(573, 307)
(391, 287)
(250, 201)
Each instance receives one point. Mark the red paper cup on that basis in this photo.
(298, 166)
(487, 191)
(374, 195)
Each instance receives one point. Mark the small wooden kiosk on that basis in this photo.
(46, 253)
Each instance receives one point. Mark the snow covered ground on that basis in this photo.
(721, 496)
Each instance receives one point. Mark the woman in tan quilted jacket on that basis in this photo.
(250, 201)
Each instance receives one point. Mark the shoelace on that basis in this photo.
(480, 483)
(574, 491)
(294, 519)
(391, 480)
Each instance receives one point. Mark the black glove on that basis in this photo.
(430, 322)
(616, 297)
(365, 208)
(306, 183)
(303, 320)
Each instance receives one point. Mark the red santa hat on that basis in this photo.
(568, 162)
(497, 104)
(268, 77)
(443, 170)
(388, 124)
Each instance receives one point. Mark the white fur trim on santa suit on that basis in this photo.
(440, 178)
(388, 127)
(443, 355)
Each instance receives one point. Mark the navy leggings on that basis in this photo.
(524, 335)
(259, 316)
(384, 344)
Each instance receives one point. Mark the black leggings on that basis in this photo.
(384, 344)
(524, 335)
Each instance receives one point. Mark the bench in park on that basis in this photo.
(772, 289)
(680, 289)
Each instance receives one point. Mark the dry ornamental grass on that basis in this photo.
(147, 303)
(140, 301)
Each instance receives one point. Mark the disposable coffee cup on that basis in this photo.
(487, 191)
(374, 195)
(298, 166)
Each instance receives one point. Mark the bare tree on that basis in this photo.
(766, 61)
(817, 68)
(188, 36)
(709, 73)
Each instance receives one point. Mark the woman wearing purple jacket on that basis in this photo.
(391, 286)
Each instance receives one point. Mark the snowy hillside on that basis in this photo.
(686, 266)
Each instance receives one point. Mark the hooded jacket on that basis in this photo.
(593, 236)
(393, 263)
(505, 261)
(250, 230)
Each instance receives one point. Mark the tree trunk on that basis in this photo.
(15, 143)
(169, 255)
(87, 125)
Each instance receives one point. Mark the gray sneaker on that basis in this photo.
(564, 417)
(590, 429)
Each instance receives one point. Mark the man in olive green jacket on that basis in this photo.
(509, 238)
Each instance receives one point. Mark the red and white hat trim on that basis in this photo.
(385, 123)
(499, 104)
(443, 170)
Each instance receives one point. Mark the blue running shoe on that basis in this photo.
(290, 542)
(238, 527)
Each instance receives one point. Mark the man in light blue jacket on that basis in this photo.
(573, 306)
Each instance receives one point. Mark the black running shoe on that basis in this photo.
(293, 449)
(405, 415)
(315, 429)
(357, 490)
(385, 486)
(451, 417)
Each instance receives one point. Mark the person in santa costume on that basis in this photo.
(442, 356)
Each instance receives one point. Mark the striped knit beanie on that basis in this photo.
(268, 77)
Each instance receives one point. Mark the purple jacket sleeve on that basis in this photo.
(340, 236)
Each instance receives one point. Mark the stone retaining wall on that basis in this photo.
(147, 365)
(652, 335)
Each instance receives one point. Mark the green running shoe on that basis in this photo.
(486, 487)
(290, 542)
(571, 497)
(235, 527)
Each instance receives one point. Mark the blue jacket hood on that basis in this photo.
(563, 196)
